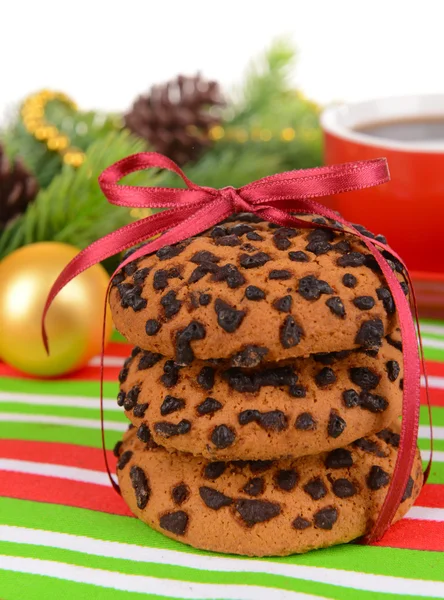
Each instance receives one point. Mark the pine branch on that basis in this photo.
(72, 209)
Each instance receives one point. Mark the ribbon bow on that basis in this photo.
(278, 198)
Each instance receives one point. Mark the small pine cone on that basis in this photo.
(175, 118)
(18, 188)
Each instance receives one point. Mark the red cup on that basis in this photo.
(409, 210)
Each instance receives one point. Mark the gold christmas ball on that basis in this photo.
(73, 323)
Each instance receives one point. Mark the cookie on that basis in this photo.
(286, 292)
(263, 508)
(297, 407)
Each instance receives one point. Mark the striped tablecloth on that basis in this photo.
(64, 533)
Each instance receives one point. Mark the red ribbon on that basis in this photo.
(196, 208)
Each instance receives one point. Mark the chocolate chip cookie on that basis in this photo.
(263, 508)
(286, 292)
(297, 407)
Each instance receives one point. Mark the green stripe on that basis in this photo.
(38, 432)
(78, 521)
(437, 415)
(60, 387)
(436, 474)
(434, 354)
(424, 444)
(21, 586)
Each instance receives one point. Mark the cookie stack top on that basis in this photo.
(252, 292)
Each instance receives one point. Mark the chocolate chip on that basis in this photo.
(124, 459)
(297, 391)
(273, 420)
(351, 259)
(206, 378)
(123, 374)
(130, 268)
(257, 511)
(393, 369)
(193, 331)
(306, 422)
(405, 287)
(283, 304)
(170, 405)
(298, 256)
(170, 251)
(148, 360)
(300, 523)
(170, 374)
(342, 247)
(385, 295)
(141, 486)
(254, 293)
(228, 317)
(377, 478)
(280, 274)
(370, 334)
(381, 238)
(336, 306)
(395, 343)
(408, 490)
(286, 479)
(214, 470)
(349, 280)
(328, 358)
(202, 270)
(339, 459)
(350, 398)
(223, 436)
(372, 402)
(389, 437)
(258, 466)
(204, 256)
(369, 446)
(249, 357)
(140, 409)
(141, 274)
(254, 487)
(364, 302)
(170, 304)
(118, 278)
(175, 522)
(180, 493)
(121, 398)
(254, 260)
(152, 327)
(249, 416)
(286, 232)
(336, 424)
(311, 288)
(364, 231)
(315, 488)
(143, 433)
(167, 430)
(130, 296)
(365, 378)
(325, 518)
(218, 231)
(343, 488)
(231, 274)
(160, 279)
(209, 406)
(254, 236)
(325, 377)
(241, 229)
(228, 240)
(290, 333)
(214, 499)
(318, 247)
(326, 235)
(131, 397)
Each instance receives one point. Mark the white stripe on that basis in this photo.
(55, 400)
(435, 382)
(432, 343)
(340, 577)
(50, 470)
(438, 456)
(68, 421)
(144, 584)
(424, 432)
(433, 329)
(108, 361)
(425, 513)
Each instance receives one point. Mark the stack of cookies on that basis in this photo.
(264, 389)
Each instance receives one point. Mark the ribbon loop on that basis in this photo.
(278, 198)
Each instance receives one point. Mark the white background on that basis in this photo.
(104, 53)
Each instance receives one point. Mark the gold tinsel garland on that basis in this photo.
(33, 115)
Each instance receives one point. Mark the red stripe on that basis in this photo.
(432, 496)
(69, 455)
(436, 397)
(435, 368)
(53, 490)
(415, 534)
(85, 374)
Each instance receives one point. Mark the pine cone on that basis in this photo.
(175, 117)
(18, 188)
